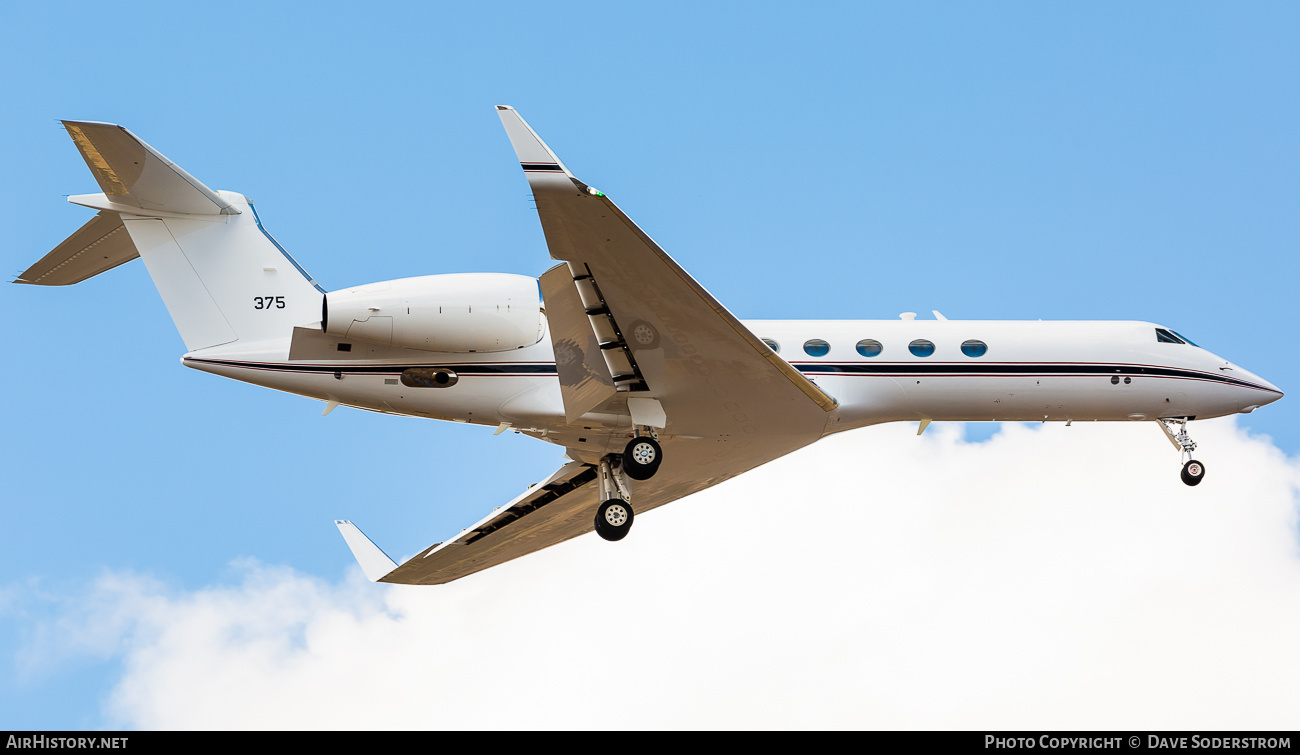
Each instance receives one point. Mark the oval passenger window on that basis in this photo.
(869, 347)
(816, 348)
(921, 347)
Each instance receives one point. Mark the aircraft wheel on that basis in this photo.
(641, 458)
(614, 519)
(1193, 472)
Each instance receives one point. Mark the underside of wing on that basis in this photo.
(658, 333)
(557, 509)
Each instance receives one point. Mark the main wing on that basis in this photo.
(661, 333)
(636, 337)
(549, 512)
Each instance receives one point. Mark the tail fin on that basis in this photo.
(222, 277)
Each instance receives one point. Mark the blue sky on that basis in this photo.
(854, 160)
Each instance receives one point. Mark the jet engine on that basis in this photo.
(461, 312)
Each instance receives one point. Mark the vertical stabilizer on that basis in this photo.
(223, 278)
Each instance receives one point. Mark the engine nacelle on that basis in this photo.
(460, 312)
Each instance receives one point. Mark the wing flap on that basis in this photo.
(585, 381)
(98, 246)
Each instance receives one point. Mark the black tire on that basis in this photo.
(641, 457)
(614, 519)
(1193, 472)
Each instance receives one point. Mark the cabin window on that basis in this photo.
(1167, 336)
(773, 345)
(869, 347)
(974, 348)
(921, 347)
(816, 348)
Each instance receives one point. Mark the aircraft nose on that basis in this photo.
(1259, 393)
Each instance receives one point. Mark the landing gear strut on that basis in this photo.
(614, 515)
(1193, 470)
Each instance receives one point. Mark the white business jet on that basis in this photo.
(617, 354)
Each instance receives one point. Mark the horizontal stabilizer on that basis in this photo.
(374, 562)
(134, 174)
(98, 246)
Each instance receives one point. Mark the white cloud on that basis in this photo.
(1047, 578)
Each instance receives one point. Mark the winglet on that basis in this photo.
(534, 155)
(375, 564)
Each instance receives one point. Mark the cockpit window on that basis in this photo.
(1186, 340)
(1167, 336)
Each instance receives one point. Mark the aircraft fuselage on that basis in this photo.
(877, 370)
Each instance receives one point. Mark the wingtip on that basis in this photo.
(67, 123)
(375, 564)
(528, 146)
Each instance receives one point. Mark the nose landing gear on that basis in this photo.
(1193, 470)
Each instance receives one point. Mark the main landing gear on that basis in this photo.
(641, 457)
(639, 461)
(614, 515)
(1193, 470)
